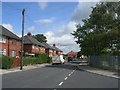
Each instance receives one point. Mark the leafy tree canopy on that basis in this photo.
(40, 37)
(101, 31)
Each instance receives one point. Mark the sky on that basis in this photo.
(56, 20)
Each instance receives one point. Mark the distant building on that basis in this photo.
(11, 43)
(31, 45)
(48, 49)
(72, 54)
(57, 50)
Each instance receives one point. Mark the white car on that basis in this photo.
(57, 59)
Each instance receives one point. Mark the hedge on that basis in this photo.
(6, 62)
(38, 59)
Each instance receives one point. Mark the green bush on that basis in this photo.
(7, 62)
(43, 57)
(38, 59)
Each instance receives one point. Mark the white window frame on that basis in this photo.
(12, 53)
(37, 47)
(2, 39)
(14, 41)
(33, 46)
(3, 51)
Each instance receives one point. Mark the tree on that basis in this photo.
(40, 37)
(101, 31)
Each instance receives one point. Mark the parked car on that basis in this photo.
(29, 55)
(57, 59)
(70, 59)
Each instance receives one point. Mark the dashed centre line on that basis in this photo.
(60, 83)
(69, 74)
(66, 78)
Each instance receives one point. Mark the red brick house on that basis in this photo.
(72, 54)
(48, 49)
(57, 50)
(11, 43)
(31, 45)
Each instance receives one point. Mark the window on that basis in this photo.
(13, 53)
(32, 46)
(13, 41)
(37, 47)
(3, 51)
(2, 39)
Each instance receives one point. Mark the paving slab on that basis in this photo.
(99, 71)
(17, 69)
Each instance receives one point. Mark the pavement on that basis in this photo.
(17, 69)
(99, 71)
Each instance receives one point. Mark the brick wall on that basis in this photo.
(33, 48)
(28, 48)
(54, 52)
(49, 52)
(9, 46)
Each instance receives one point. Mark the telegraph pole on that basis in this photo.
(21, 61)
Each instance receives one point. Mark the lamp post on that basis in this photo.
(21, 61)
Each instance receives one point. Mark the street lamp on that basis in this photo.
(21, 61)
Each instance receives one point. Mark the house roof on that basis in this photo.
(7, 33)
(57, 49)
(47, 46)
(31, 40)
(72, 53)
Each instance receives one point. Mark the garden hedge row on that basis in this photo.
(6, 62)
(38, 59)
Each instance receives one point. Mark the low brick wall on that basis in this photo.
(16, 62)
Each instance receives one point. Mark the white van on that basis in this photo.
(57, 59)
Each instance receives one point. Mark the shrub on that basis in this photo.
(29, 61)
(38, 59)
(43, 57)
(7, 62)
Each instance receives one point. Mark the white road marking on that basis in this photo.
(69, 74)
(60, 83)
(66, 78)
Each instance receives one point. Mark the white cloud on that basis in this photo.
(62, 37)
(42, 5)
(82, 11)
(19, 35)
(42, 21)
(31, 29)
(9, 27)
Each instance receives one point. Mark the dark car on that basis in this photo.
(69, 59)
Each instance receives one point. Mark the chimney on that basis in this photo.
(29, 34)
(45, 41)
(54, 45)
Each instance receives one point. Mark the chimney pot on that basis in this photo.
(29, 34)
(45, 41)
(54, 45)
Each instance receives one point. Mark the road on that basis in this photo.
(57, 76)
